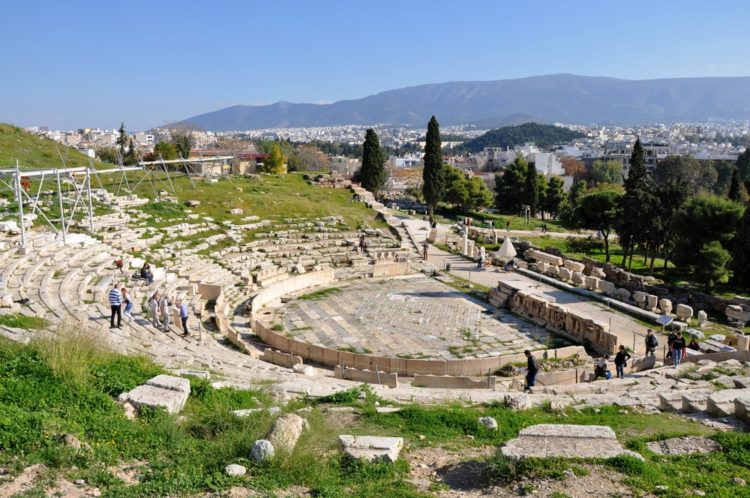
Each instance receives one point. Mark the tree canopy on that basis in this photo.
(599, 211)
(610, 172)
(276, 163)
(508, 136)
(510, 187)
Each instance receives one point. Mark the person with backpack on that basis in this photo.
(651, 343)
(621, 361)
(670, 343)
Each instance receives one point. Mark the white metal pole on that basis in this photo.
(88, 192)
(60, 203)
(19, 198)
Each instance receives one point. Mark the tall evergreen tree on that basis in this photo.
(555, 196)
(130, 156)
(743, 165)
(741, 253)
(122, 140)
(509, 187)
(531, 190)
(433, 185)
(638, 194)
(372, 174)
(735, 187)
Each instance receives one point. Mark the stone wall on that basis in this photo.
(289, 286)
(367, 376)
(401, 366)
(448, 382)
(554, 317)
(282, 359)
(390, 269)
(209, 292)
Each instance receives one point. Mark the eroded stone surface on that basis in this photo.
(565, 440)
(684, 446)
(262, 450)
(286, 431)
(372, 447)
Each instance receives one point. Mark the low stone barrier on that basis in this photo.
(390, 269)
(572, 376)
(282, 359)
(289, 286)
(448, 382)
(367, 376)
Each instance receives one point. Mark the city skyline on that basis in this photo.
(97, 65)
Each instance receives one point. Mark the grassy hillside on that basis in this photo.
(33, 151)
(69, 388)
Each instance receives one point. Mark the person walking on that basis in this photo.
(127, 302)
(164, 309)
(678, 348)
(651, 343)
(621, 361)
(531, 370)
(153, 309)
(115, 303)
(184, 318)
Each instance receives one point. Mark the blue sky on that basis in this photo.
(77, 63)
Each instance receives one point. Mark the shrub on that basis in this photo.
(71, 351)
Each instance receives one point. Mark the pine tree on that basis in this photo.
(740, 252)
(130, 156)
(122, 140)
(275, 164)
(372, 174)
(433, 186)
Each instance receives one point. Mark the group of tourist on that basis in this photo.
(159, 309)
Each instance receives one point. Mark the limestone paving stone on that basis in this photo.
(565, 440)
(372, 448)
(721, 403)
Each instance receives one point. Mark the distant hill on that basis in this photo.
(508, 136)
(35, 151)
(562, 98)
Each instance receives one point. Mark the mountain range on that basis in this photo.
(563, 98)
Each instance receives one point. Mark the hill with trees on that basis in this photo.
(508, 136)
(34, 151)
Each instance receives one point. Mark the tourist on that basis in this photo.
(128, 303)
(651, 342)
(507, 226)
(425, 247)
(601, 369)
(147, 274)
(670, 343)
(621, 361)
(362, 243)
(164, 306)
(491, 225)
(678, 348)
(694, 345)
(482, 255)
(115, 302)
(118, 264)
(184, 317)
(153, 309)
(531, 370)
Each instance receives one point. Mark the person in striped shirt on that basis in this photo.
(115, 303)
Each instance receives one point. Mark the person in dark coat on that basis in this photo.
(621, 361)
(678, 348)
(531, 370)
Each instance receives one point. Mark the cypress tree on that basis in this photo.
(741, 253)
(735, 187)
(372, 174)
(122, 140)
(433, 186)
(531, 191)
(638, 195)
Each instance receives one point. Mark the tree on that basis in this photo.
(166, 151)
(478, 195)
(108, 155)
(122, 140)
(638, 195)
(308, 158)
(183, 141)
(573, 167)
(577, 191)
(699, 176)
(276, 163)
(702, 220)
(131, 157)
(713, 265)
(554, 196)
(455, 186)
(372, 174)
(531, 189)
(736, 189)
(743, 165)
(599, 211)
(741, 253)
(509, 187)
(433, 185)
(466, 193)
(606, 172)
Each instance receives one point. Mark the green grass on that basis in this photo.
(185, 455)
(34, 151)
(319, 294)
(19, 321)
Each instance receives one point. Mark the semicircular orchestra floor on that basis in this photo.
(407, 318)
